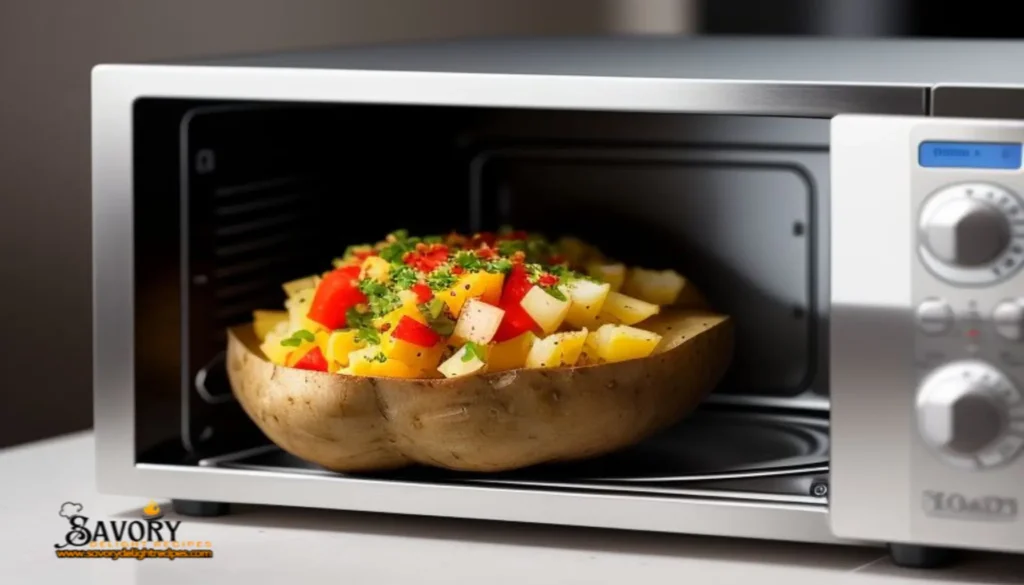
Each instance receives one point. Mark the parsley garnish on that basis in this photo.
(502, 265)
(553, 291)
(378, 357)
(403, 276)
(433, 240)
(402, 244)
(441, 279)
(297, 338)
(382, 299)
(363, 324)
(472, 351)
(355, 319)
(469, 260)
(369, 335)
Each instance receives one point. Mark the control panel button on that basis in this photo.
(934, 317)
(1008, 319)
(967, 232)
(964, 413)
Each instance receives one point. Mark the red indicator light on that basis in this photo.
(972, 333)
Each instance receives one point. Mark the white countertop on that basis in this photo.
(258, 545)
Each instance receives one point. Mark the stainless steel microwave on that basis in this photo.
(857, 208)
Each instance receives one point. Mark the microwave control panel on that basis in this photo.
(927, 330)
(967, 289)
(970, 314)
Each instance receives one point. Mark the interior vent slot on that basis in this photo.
(258, 230)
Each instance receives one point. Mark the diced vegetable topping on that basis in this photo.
(458, 304)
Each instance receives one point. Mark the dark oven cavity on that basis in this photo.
(232, 200)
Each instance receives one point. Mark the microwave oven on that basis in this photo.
(856, 207)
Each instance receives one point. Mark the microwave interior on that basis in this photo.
(233, 199)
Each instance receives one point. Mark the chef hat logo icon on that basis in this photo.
(70, 509)
(152, 511)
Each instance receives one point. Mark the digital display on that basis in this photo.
(970, 155)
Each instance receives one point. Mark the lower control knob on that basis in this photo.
(964, 413)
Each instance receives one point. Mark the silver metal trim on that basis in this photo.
(764, 520)
(575, 92)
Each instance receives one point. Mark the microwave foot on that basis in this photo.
(920, 557)
(200, 509)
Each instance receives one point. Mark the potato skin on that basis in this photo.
(483, 423)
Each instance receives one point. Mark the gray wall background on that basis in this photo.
(47, 48)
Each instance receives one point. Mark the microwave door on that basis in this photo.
(927, 314)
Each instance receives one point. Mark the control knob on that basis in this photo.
(967, 232)
(971, 415)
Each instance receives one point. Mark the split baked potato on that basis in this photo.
(483, 353)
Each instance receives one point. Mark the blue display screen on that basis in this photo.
(969, 155)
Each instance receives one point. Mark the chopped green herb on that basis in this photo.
(433, 240)
(403, 276)
(382, 299)
(358, 320)
(553, 291)
(378, 357)
(567, 275)
(469, 260)
(369, 335)
(502, 265)
(441, 279)
(296, 339)
(472, 351)
(384, 304)
(395, 250)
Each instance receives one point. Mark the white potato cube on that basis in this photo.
(587, 299)
(556, 350)
(613, 274)
(478, 322)
(461, 364)
(616, 343)
(620, 308)
(660, 287)
(547, 311)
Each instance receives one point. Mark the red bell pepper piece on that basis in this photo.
(313, 360)
(416, 333)
(426, 258)
(516, 320)
(422, 292)
(517, 284)
(338, 292)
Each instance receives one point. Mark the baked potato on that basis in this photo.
(484, 353)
